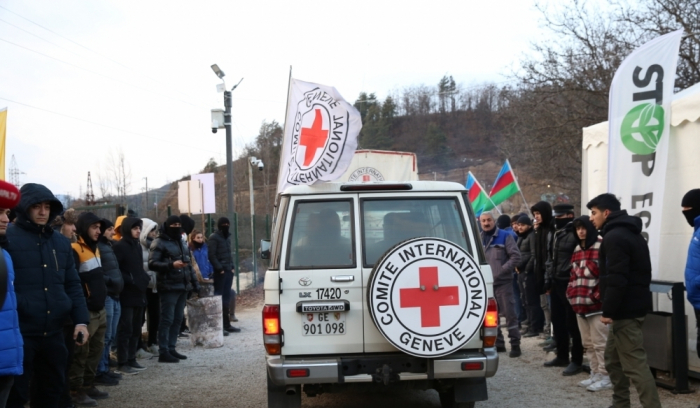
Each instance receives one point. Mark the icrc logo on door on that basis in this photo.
(427, 296)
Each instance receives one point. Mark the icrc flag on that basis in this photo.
(639, 123)
(320, 135)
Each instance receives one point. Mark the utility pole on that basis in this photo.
(229, 153)
(146, 178)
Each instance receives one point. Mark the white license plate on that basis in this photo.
(323, 324)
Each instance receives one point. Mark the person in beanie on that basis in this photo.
(133, 297)
(36, 250)
(583, 294)
(115, 284)
(625, 277)
(222, 261)
(87, 357)
(526, 275)
(691, 212)
(542, 213)
(169, 259)
(503, 256)
(11, 353)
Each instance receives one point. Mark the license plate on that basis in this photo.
(323, 324)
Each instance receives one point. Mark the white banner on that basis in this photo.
(640, 119)
(320, 135)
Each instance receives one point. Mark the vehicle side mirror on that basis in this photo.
(265, 248)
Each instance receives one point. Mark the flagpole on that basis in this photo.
(284, 130)
(519, 189)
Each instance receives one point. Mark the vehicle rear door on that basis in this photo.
(321, 283)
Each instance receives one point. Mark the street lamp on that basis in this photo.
(253, 162)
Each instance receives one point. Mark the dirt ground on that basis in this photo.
(234, 376)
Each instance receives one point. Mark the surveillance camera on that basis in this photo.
(260, 165)
(214, 130)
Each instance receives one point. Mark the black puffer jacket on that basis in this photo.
(526, 245)
(45, 275)
(563, 246)
(542, 239)
(625, 268)
(110, 266)
(220, 252)
(164, 252)
(130, 258)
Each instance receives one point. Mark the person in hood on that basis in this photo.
(503, 256)
(38, 251)
(87, 357)
(115, 284)
(118, 228)
(148, 235)
(169, 258)
(625, 276)
(542, 213)
(691, 211)
(133, 297)
(11, 353)
(564, 323)
(222, 262)
(526, 274)
(583, 293)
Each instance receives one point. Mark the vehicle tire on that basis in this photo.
(277, 396)
(447, 400)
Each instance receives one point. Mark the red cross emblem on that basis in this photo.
(313, 138)
(429, 296)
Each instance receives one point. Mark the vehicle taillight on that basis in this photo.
(491, 323)
(271, 329)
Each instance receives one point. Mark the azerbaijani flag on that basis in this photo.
(477, 196)
(505, 185)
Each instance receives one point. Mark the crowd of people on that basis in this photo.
(77, 289)
(588, 278)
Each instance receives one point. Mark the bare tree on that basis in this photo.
(119, 173)
(103, 183)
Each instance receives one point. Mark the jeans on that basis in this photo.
(153, 316)
(45, 365)
(222, 286)
(114, 312)
(87, 357)
(129, 332)
(172, 309)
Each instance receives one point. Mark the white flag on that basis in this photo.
(320, 135)
(639, 123)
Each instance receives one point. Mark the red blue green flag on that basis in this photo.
(505, 185)
(477, 196)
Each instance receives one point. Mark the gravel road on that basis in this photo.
(234, 376)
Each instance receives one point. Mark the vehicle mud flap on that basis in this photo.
(470, 389)
(280, 396)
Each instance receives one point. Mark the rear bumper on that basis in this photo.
(330, 370)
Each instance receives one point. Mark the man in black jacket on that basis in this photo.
(133, 297)
(115, 284)
(564, 321)
(169, 258)
(542, 212)
(222, 261)
(86, 358)
(625, 276)
(526, 274)
(43, 304)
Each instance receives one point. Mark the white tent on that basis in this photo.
(683, 174)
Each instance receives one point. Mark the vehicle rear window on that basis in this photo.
(388, 222)
(322, 235)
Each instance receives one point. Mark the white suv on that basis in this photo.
(378, 284)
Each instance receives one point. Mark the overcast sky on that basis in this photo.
(136, 76)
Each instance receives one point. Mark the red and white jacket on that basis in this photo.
(583, 291)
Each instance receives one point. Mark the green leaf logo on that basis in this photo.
(642, 128)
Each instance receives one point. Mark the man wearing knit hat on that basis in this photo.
(691, 211)
(222, 261)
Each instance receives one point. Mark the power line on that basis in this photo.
(107, 126)
(38, 36)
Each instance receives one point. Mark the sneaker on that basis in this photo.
(556, 363)
(514, 352)
(594, 378)
(603, 384)
(167, 358)
(572, 369)
(106, 380)
(94, 393)
(232, 329)
(178, 355)
(136, 366)
(126, 369)
(143, 354)
(81, 399)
